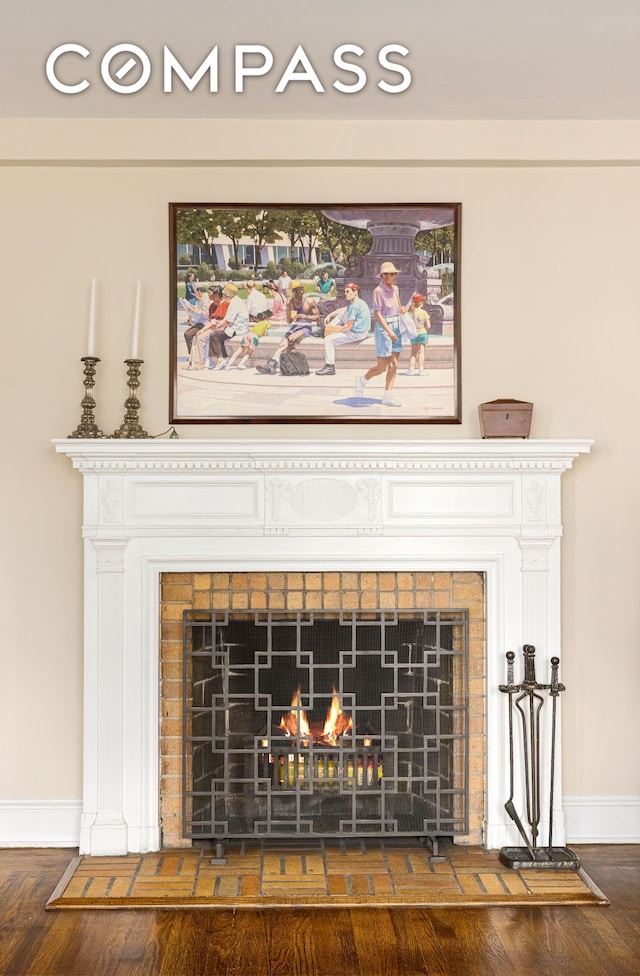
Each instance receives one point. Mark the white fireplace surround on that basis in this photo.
(155, 506)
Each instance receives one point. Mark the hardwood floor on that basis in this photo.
(567, 941)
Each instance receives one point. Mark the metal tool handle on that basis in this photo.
(510, 686)
(556, 686)
(510, 669)
(529, 652)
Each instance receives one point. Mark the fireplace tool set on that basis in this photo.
(525, 698)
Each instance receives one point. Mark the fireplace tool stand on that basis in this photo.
(528, 701)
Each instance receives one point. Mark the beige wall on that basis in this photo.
(550, 313)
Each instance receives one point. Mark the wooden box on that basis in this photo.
(505, 418)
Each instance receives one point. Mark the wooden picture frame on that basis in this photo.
(294, 276)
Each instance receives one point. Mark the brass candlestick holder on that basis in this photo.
(130, 427)
(87, 426)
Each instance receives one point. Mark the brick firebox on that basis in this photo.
(326, 591)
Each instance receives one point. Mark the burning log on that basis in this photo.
(360, 769)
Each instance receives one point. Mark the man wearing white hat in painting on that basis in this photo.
(387, 310)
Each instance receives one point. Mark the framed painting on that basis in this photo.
(314, 313)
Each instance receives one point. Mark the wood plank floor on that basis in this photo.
(559, 941)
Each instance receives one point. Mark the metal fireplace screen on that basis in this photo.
(317, 724)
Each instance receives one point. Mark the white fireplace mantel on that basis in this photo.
(154, 506)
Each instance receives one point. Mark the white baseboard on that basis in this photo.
(56, 823)
(602, 819)
(40, 823)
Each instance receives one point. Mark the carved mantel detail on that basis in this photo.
(535, 554)
(110, 555)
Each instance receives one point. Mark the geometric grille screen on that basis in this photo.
(324, 724)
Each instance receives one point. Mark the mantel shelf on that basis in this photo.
(516, 452)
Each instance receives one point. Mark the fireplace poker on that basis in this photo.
(554, 690)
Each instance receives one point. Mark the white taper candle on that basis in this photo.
(136, 325)
(91, 339)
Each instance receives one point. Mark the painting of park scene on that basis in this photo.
(315, 313)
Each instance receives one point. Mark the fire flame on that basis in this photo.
(295, 722)
(336, 722)
(289, 722)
